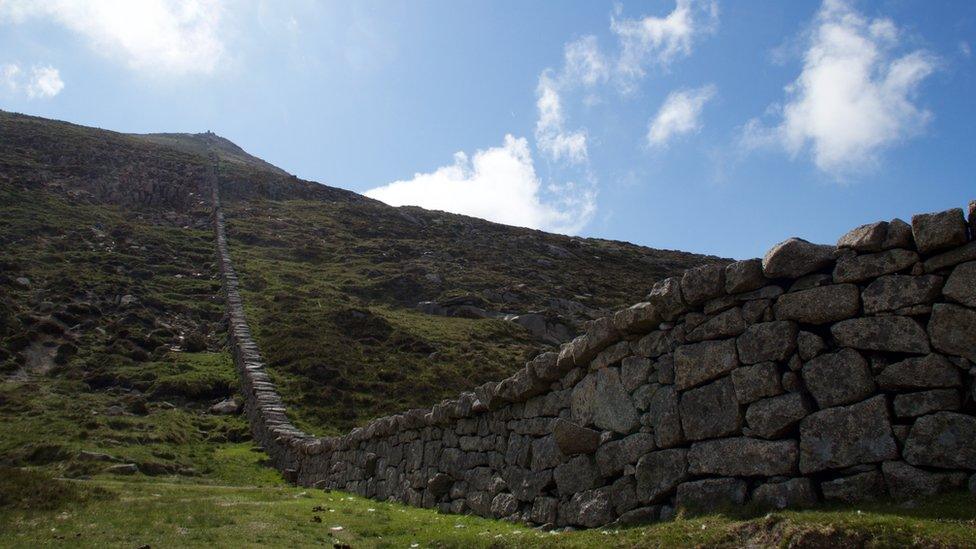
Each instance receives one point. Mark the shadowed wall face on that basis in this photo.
(816, 373)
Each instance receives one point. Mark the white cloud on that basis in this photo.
(964, 49)
(10, 76)
(498, 184)
(660, 40)
(853, 98)
(584, 62)
(153, 36)
(550, 135)
(42, 82)
(679, 115)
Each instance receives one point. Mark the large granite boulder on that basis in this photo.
(953, 330)
(665, 416)
(931, 371)
(665, 296)
(926, 402)
(796, 257)
(710, 411)
(743, 456)
(856, 268)
(591, 508)
(907, 482)
(767, 341)
(896, 292)
(865, 486)
(895, 334)
(819, 305)
(943, 439)
(711, 494)
(699, 284)
(614, 455)
(961, 286)
(866, 238)
(600, 399)
(576, 475)
(794, 493)
(835, 379)
(744, 276)
(573, 439)
(700, 362)
(846, 435)
(728, 323)
(775, 417)
(938, 231)
(659, 473)
(756, 381)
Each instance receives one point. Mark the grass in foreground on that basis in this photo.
(139, 512)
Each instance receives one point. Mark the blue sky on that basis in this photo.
(709, 126)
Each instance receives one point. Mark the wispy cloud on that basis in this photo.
(854, 97)
(152, 36)
(551, 136)
(661, 40)
(42, 81)
(679, 115)
(499, 184)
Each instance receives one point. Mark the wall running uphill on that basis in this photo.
(817, 373)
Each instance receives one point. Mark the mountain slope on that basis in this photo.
(361, 309)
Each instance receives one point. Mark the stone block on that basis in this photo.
(953, 330)
(819, 305)
(866, 486)
(700, 362)
(838, 378)
(600, 399)
(713, 494)
(573, 439)
(666, 298)
(943, 439)
(728, 323)
(938, 231)
(895, 334)
(576, 475)
(699, 284)
(775, 417)
(866, 238)
(931, 371)
(857, 268)
(710, 411)
(895, 292)
(635, 371)
(756, 381)
(961, 286)
(846, 435)
(794, 494)
(744, 276)
(796, 257)
(666, 418)
(659, 473)
(926, 402)
(907, 482)
(613, 456)
(767, 341)
(743, 457)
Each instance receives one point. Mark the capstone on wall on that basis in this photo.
(818, 373)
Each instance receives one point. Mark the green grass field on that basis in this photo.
(222, 511)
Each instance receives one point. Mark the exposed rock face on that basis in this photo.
(945, 439)
(838, 378)
(953, 330)
(701, 362)
(796, 257)
(742, 456)
(710, 411)
(845, 436)
(937, 231)
(897, 292)
(757, 380)
(819, 305)
(895, 334)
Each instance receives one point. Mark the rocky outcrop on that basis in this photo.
(817, 372)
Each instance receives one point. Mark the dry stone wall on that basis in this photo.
(838, 373)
